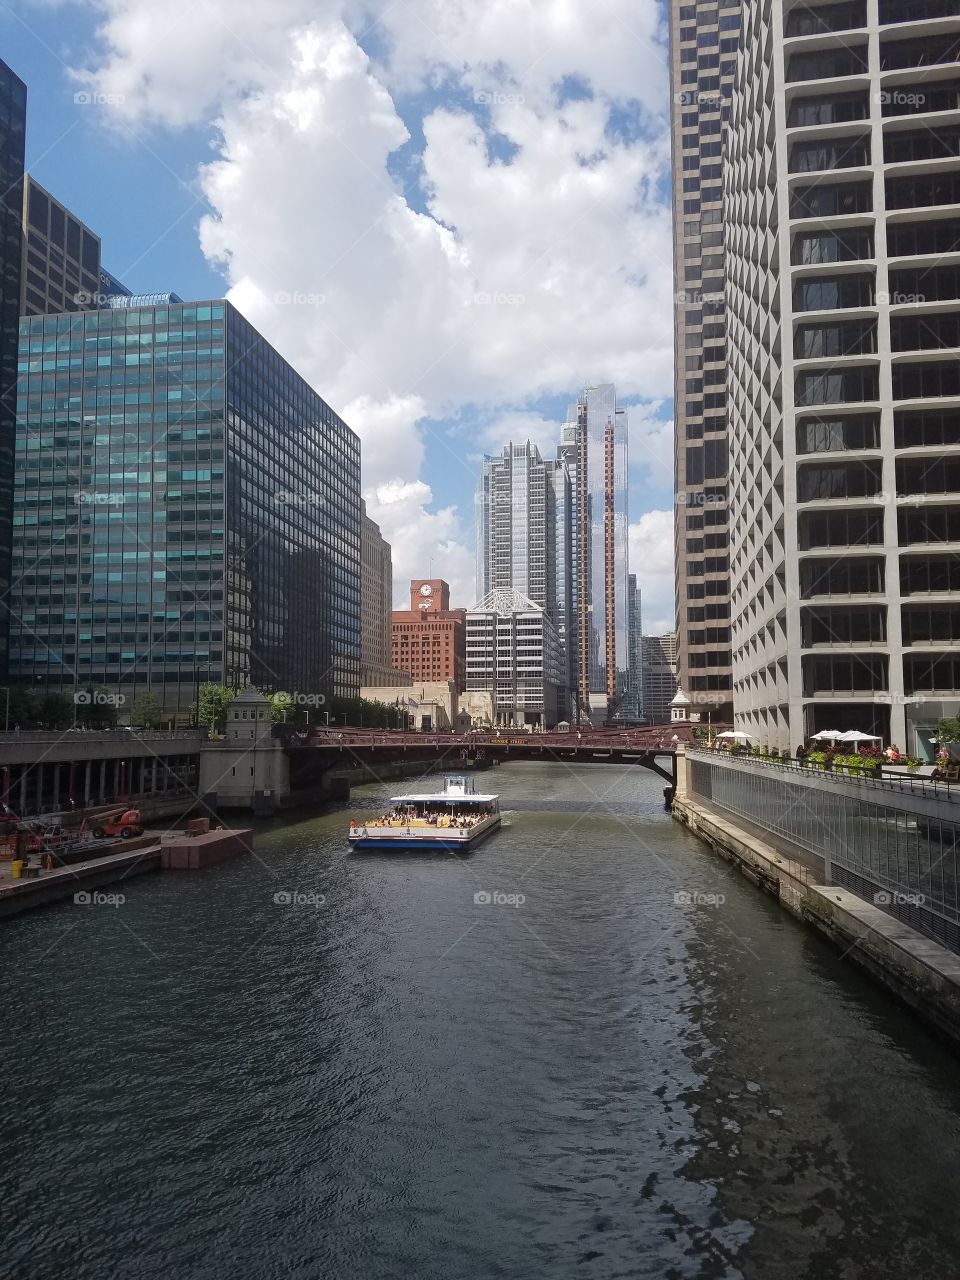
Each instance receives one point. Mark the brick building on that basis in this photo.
(429, 638)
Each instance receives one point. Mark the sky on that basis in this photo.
(448, 215)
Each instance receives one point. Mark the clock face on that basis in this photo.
(426, 589)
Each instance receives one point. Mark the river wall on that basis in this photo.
(916, 970)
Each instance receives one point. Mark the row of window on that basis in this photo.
(843, 338)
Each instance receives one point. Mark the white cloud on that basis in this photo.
(425, 543)
(495, 281)
(651, 559)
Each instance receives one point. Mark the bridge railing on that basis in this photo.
(598, 740)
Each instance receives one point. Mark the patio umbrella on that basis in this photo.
(854, 735)
(833, 735)
(735, 733)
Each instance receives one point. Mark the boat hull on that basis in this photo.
(398, 840)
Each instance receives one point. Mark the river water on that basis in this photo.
(401, 1080)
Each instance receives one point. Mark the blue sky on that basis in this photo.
(489, 181)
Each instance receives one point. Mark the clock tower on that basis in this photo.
(429, 595)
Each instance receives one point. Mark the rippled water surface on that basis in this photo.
(403, 1081)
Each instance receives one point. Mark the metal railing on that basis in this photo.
(912, 784)
(895, 846)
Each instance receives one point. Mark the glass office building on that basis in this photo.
(13, 121)
(595, 448)
(186, 508)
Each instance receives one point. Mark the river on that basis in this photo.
(627, 1063)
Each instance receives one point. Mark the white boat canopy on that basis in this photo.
(438, 797)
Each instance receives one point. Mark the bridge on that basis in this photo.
(653, 749)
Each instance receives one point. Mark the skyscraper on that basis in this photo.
(659, 655)
(703, 43)
(843, 269)
(523, 527)
(61, 256)
(632, 705)
(594, 442)
(188, 509)
(13, 123)
(376, 604)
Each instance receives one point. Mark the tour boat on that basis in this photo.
(458, 817)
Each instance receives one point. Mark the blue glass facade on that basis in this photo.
(186, 507)
(13, 120)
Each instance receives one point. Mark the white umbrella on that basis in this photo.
(735, 733)
(833, 735)
(854, 735)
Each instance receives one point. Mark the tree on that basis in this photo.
(949, 730)
(215, 700)
(147, 712)
(281, 707)
(54, 710)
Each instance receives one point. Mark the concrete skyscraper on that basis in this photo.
(703, 43)
(842, 207)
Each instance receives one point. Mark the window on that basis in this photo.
(921, 190)
(837, 109)
(828, 199)
(862, 625)
(908, 238)
(817, 435)
(837, 386)
(840, 529)
(916, 10)
(895, 52)
(817, 482)
(858, 673)
(861, 575)
(921, 144)
(929, 575)
(825, 64)
(845, 338)
(923, 674)
(910, 99)
(930, 624)
(928, 524)
(933, 331)
(917, 476)
(830, 293)
(915, 381)
(916, 428)
(850, 245)
(833, 153)
(804, 21)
